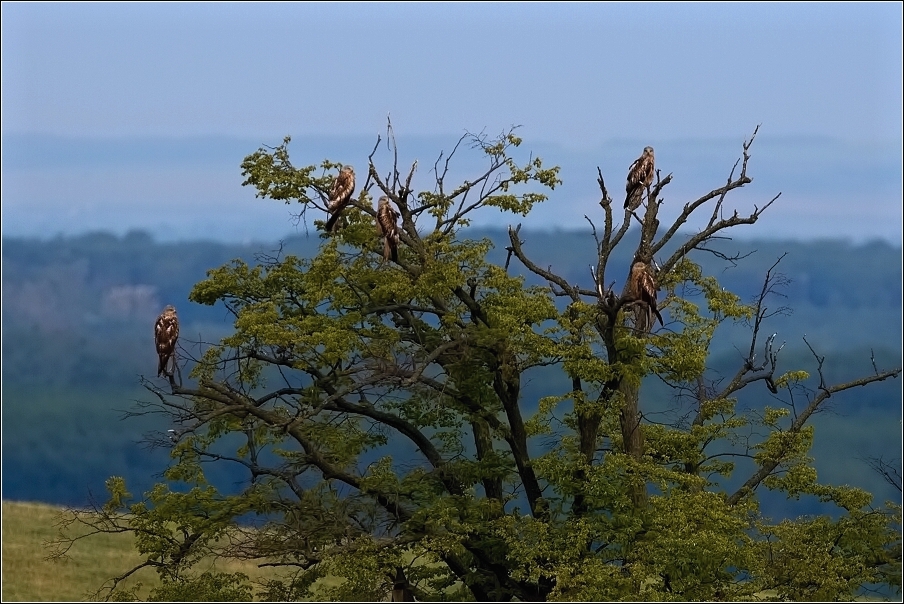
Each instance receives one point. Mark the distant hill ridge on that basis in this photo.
(78, 315)
(103, 287)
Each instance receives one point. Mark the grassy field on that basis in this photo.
(28, 576)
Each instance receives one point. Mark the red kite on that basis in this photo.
(340, 195)
(166, 333)
(643, 290)
(387, 220)
(640, 176)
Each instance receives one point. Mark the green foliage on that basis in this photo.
(206, 587)
(274, 176)
(378, 411)
(815, 559)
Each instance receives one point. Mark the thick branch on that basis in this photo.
(549, 276)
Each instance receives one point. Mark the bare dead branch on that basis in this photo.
(769, 466)
(889, 472)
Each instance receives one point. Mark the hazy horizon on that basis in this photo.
(189, 188)
(118, 116)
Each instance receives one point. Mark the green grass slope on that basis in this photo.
(29, 576)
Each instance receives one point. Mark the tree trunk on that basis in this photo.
(484, 443)
(632, 438)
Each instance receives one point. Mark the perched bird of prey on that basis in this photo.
(640, 176)
(166, 333)
(340, 195)
(643, 289)
(387, 221)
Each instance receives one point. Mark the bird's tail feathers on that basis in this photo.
(331, 223)
(633, 199)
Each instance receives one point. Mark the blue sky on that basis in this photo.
(584, 81)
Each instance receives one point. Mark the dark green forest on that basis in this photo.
(78, 315)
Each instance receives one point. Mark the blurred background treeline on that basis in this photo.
(78, 315)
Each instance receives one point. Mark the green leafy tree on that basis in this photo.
(381, 414)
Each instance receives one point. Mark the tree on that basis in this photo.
(381, 415)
